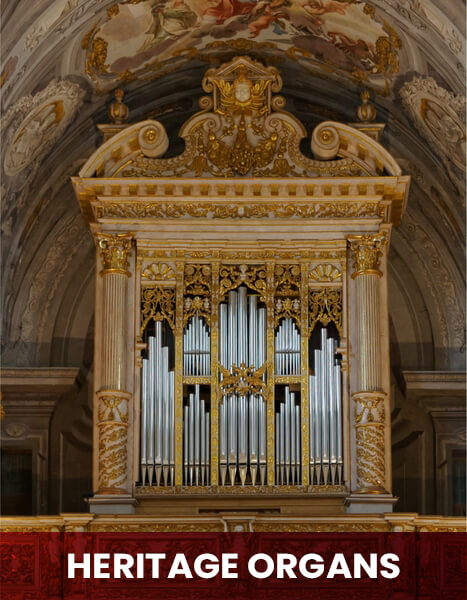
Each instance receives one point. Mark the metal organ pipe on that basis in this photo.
(242, 418)
(157, 414)
(196, 348)
(288, 446)
(325, 408)
(196, 440)
(287, 348)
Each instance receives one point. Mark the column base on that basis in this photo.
(112, 504)
(369, 503)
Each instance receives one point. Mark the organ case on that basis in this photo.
(241, 307)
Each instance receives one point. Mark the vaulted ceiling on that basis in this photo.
(62, 59)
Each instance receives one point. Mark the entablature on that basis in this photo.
(308, 199)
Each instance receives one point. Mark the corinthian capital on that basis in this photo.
(114, 252)
(367, 252)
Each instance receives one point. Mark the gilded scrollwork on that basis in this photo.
(114, 252)
(311, 209)
(112, 421)
(287, 293)
(243, 380)
(197, 292)
(326, 307)
(197, 280)
(158, 303)
(287, 280)
(369, 419)
(241, 131)
(285, 308)
(232, 276)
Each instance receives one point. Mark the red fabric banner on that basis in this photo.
(257, 566)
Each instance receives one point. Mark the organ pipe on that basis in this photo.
(242, 417)
(157, 414)
(196, 348)
(196, 443)
(325, 412)
(287, 348)
(288, 440)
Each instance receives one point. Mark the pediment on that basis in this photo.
(241, 131)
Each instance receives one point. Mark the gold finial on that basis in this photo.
(366, 112)
(118, 110)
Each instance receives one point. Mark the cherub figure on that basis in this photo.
(267, 12)
(319, 7)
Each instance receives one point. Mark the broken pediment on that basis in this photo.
(241, 131)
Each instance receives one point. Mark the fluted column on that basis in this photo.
(112, 399)
(370, 403)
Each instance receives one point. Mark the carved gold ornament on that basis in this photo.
(114, 252)
(242, 131)
(197, 292)
(326, 307)
(158, 303)
(367, 252)
(232, 276)
(369, 418)
(285, 308)
(118, 110)
(366, 112)
(112, 422)
(287, 279)
(326, 273)
(197, 280)
(158, 272)
(243, 380)
(240, 210)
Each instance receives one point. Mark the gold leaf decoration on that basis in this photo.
(325, 272)
(326, 307)
(158, 272)
(158, 303)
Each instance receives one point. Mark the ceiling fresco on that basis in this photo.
(62, 60)
(147, 37)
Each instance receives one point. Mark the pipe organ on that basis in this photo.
(241, 335)
(242, 387)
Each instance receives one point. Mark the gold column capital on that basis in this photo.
(114, 252)
(367, 252)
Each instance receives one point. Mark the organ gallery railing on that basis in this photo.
(262, 406)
